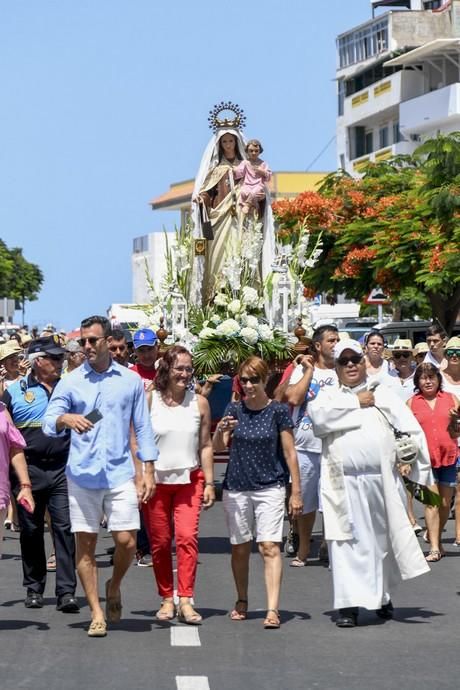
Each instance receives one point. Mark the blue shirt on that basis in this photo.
(27, 400)
(256, 455)
(101, 458)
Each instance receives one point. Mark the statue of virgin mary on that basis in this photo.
(216, 213)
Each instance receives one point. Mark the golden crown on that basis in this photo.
(216, 122)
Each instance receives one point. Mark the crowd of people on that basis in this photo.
(97, 432)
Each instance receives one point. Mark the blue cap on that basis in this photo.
(144, 336)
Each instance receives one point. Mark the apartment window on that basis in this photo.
(383, 137)
(369, 142)
(340, 96)
(396, 133)
(364, 43)
(432, 4)
(140, 244)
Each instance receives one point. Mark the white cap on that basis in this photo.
(349, 344)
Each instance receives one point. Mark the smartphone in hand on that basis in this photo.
(94, 416)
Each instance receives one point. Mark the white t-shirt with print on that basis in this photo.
(303, 430)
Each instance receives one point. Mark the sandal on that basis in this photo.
(191, 618)
(51, 563)
(272, 620)
(298, 562)
(112, 605)
(97, 629)
(239, 613)
(433, 556)
(167, 610)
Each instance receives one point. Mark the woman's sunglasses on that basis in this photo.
(404, 355)
(249, 379)
(452, 353)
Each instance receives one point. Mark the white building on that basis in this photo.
(398, 78)
(148, 263)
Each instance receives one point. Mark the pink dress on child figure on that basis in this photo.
(252, 189)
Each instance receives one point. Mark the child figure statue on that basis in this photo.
(255, 175)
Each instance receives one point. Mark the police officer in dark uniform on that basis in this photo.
(27, 400)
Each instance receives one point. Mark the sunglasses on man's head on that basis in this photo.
(92, 340)
(453, 352)
(404, 355)
(249, 379)
(354, 359)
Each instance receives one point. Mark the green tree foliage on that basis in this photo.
(19, 279)
(397, 227)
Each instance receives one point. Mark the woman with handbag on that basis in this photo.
(262, 455)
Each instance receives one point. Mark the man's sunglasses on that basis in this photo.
(54, 358)
(404, 355)
(354, 359)
(452, 352)
(249, 379)
(92, 340)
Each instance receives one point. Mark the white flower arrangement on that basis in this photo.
(221, 300)
(265, 332)
(249, 335)
(250, 321)
(250, 297)
(207, 332)
(228, 327)
(234, 306)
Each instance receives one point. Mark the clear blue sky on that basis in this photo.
(105, 104)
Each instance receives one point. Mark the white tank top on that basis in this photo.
(177, 435)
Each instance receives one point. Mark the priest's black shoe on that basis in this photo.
(67, 603)
(348, 618)
(386, 611)
(33, 600)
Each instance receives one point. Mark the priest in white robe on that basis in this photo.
(372, 545)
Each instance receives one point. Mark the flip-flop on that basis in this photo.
(298, 562)
(236, 615)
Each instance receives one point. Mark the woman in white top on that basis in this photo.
(181, 423)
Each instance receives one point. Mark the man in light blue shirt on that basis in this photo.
(101, 402)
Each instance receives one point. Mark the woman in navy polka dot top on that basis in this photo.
(262, 456)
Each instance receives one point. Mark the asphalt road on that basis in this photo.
(45, 649)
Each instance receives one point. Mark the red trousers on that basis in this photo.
(177, 505)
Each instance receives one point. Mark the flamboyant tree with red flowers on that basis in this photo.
(397, 227)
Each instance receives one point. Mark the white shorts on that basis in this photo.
(258, 514)
(88, 507)
(309, 468)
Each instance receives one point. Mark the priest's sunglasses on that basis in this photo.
(354, 359)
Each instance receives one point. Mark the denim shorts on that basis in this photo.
(447, 476)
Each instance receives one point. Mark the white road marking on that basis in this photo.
(192, 683)
(182, 636)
